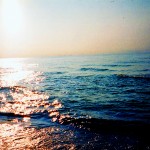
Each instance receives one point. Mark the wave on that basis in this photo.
(94, 124)
(54, 73)
(133, 76)
(111, 126)
(20, 101)
(137, 91)
(145, 70)
(12, 114)
(34, 104)
(93, 69)
(114, 65)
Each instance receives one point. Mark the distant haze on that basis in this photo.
(31, 28)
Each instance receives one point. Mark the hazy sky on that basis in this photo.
(68, 27)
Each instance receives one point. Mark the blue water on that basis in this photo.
(78, 95)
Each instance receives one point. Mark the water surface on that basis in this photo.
(75, 102)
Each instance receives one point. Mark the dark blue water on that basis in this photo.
(80, 102)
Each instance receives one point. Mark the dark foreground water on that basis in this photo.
(77, 102)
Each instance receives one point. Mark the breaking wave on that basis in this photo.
(19, 101)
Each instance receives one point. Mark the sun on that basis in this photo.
(12, 18)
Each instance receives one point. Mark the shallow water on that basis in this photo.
(75, 102)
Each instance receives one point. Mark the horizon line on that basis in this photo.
(72, 55)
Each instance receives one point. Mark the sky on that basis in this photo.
(30, 28)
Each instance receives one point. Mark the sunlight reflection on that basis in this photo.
(16, 136)
(12, 78)
(12, 72)
(26, 119)
(19, 104)
(24, 102)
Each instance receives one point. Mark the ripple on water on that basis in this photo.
(20, 101)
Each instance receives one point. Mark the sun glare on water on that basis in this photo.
(12, 18)
(12, 71)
